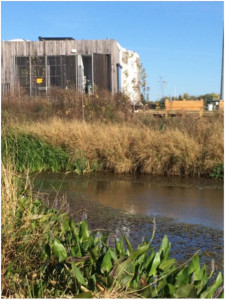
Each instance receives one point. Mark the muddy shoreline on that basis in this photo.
(185, 238)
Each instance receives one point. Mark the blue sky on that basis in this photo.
(180, 41)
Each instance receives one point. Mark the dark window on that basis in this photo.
(61, 71)
(38, 69)
(102, 71)
(69, 71)
(23, 71)
(54, 71)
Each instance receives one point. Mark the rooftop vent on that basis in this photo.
(41, 38)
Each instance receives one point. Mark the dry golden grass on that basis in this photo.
(182, 147)
(9, 200)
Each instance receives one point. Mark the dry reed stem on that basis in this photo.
(127, 148)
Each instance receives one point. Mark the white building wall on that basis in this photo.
(130, 74)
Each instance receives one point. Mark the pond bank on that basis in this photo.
(107, 200)
(46, 255)
(181, 147)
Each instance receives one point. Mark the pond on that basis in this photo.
(189, 211)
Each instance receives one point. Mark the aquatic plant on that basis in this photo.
(218, 171)
(46, 255)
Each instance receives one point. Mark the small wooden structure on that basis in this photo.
(183, 106)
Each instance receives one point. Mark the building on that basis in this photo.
(68, 63)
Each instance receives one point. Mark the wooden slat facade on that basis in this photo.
(106, 62)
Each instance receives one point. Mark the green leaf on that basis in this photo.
(166, 265)
(73, 227)
(106, 264)
(194, 265)
(165, 246)
(76, 273)
(211, 290)
(186, 291)
(59, 250)
(182, 277)
(113, 254)
(142, 249)
(124, 271)
(120, 247)
(128, 245)
(149, 259)
(155, 264)
(84, 234)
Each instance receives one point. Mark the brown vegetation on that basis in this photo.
(122, 141)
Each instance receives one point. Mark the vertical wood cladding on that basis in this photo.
(102, 71)
(105, 55)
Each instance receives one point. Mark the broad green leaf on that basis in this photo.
(113, 254)
(142, 249)
(182, 277)
(166, 265)
(194, 265)
(77, 274)
(124, 271)
(155, 264)
(59, 250)
(84, 234)
(149, 259)
(165, 245)
(147, 293)
(106, 262)
(211, 290)
(186, 291)
(171, 288)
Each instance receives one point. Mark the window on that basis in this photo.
(54, 71)
(23, 71)
(69, 71)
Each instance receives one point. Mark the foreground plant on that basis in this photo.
(48, 255)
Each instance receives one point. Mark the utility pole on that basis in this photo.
(222, 73)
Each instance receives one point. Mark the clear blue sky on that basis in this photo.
(179, 41)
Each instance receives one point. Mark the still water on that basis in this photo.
(188, 211)
(190, 201)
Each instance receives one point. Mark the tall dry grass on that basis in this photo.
(190, 147)
(9, 202)
(66, 104)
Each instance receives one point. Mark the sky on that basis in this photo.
(179, 42)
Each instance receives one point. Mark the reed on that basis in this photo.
(191, 148)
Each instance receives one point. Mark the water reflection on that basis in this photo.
(186, 200)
